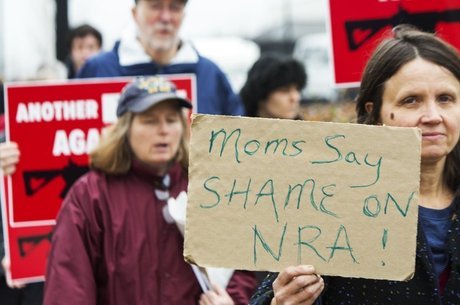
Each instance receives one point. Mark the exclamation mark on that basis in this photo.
(384, 242)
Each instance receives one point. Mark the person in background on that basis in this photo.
(411, 80)
(273, 87)
(155, 48)
(84, 41)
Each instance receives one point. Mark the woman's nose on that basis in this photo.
(431, 113)
(163, 127)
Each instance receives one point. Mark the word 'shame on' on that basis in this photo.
(307, 194)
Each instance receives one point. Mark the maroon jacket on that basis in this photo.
(111, 245)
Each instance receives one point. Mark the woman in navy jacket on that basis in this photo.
(411, 80)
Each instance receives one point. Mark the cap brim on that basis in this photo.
(151, 100)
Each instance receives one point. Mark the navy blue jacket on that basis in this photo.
(214, 93)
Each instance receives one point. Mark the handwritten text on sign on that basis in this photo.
(265, 194)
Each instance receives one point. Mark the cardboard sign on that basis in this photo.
(265, 194)
(55, 126)
(356, 32)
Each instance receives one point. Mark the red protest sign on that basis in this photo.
(356, 32)
(55, 126)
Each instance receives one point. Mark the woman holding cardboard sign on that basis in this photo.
(411, 80)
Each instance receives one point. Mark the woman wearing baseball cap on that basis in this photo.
(112, 243)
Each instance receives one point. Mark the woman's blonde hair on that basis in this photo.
(114, 155)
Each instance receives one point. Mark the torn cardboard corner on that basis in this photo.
(189, 259)
(265, 194)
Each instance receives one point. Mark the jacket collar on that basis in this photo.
(147, 173)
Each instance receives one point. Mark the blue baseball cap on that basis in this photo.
(146, 91)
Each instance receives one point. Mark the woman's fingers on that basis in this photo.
(310, 293)
(297, 285)
(291, 272)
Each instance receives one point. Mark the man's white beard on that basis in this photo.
(162, 45)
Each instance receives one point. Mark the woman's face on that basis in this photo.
(155, 134)
(282, 103)
(424, 95)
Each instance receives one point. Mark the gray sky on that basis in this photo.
(248, 17)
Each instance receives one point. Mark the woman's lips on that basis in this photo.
(432, 136)
(161, 147)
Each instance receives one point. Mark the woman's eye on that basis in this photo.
(445, 98)
(173, 119)
(149, 121)
(409, 100)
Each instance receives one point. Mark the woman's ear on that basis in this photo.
(369, 106)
